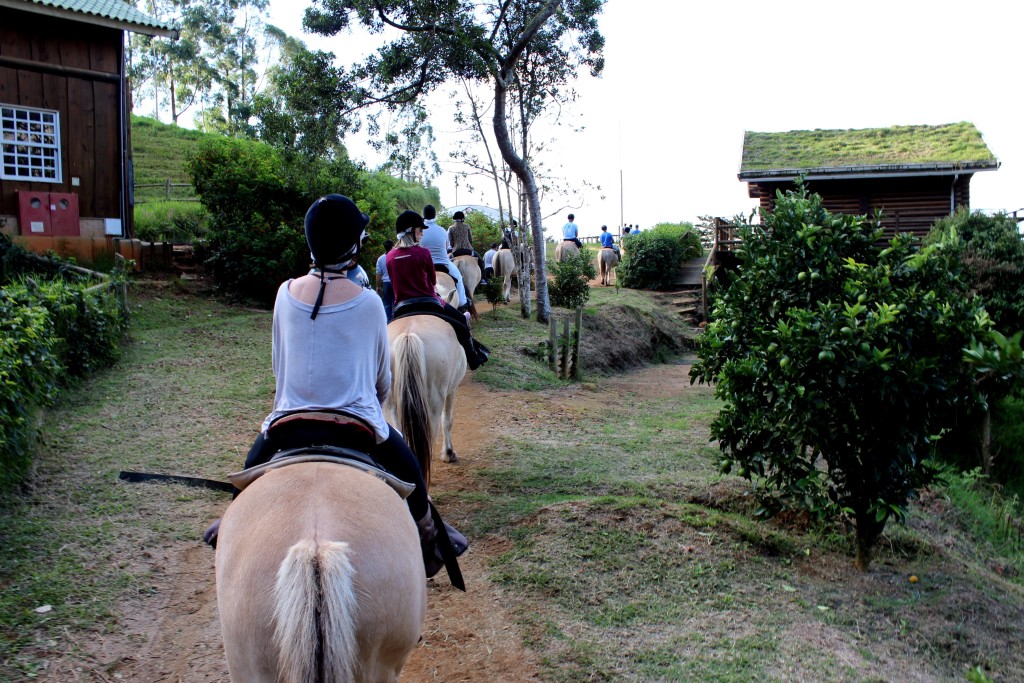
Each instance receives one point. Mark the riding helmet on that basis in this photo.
(334, 229)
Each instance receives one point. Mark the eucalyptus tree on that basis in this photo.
(431, 42)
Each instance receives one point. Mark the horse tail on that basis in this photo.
(314, 606)
(496, 266)
(408, 391)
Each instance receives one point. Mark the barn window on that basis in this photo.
(30, 139)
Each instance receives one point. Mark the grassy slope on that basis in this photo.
(159, 150)
(629, 557)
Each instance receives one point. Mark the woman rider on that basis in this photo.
(331, 353)
(413, 278)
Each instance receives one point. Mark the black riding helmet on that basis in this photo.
(334, 233)
(334, 230)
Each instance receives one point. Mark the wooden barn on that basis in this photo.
(913, 174)
(66, 174)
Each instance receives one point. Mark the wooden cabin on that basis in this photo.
(66, 173)
(913, 174)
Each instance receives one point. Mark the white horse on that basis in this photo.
(470, 269)
(608, 259)
(427, 364)
(446, 288)
(319, 578)
(564, 249)
(504, 265)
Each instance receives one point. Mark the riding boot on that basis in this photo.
(432, 560)
(210, 535)
(459, 542)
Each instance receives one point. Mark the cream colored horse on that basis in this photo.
(446, 288)
(427, 364)
(564, 249)
(608, 259)
(470, 269)
(319, 577)
(504, 265)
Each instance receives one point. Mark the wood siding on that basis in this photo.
(907, 204)
(75, 69)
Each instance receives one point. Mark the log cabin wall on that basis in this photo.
(909, 204)
(74, 69)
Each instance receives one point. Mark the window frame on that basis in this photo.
(36, 121)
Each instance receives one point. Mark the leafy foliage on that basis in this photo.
(993, 255)
(571, 286)
(651, 259)
(840, 362)
(51, 331)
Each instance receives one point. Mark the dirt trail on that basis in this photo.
(172, 632)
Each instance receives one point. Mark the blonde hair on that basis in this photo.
(407, 238)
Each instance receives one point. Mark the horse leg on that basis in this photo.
(447, 417)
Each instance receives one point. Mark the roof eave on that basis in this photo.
(82, 17)
(855, 172)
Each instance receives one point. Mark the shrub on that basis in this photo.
(651, 259)
(571, 286)
(839, 360)
(29, 372)
(177, 222)
(257, 198)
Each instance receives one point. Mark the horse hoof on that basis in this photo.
(450, 456)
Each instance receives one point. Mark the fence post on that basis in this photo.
(566, 348)
(167, 189)
(576, 343)
(552, 349)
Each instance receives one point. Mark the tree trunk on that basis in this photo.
(868, 531)
(525, 174)
(986, 441)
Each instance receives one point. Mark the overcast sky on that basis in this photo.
(683, 81)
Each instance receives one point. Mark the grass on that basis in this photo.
(621, 551)
(901, 145)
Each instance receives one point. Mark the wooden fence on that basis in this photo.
(165, 192)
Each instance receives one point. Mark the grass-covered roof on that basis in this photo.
(954, 144)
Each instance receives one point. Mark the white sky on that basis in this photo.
(683, 81)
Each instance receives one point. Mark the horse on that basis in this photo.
(564, 249)
(427, 364)
(608, 260)
(504, 265)
(446, 288)
(319, 577)
(470, 269)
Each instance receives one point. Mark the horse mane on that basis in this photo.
(408, 391)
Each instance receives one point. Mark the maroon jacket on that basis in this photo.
(411, 270)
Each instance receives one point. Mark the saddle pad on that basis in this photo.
(246, 477)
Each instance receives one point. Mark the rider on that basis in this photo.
(607, 241)
(435, 240)
(571, 232)
(413, 279)
(331, 353)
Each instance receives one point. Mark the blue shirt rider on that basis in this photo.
(571, 233)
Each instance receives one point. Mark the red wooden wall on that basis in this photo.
(84, 85)
(909, 204)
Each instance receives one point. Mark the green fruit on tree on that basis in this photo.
(801, 276)
(826, 356)
(784, 362)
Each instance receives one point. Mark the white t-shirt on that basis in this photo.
(489, 258)
(435, 240)
(340, 361)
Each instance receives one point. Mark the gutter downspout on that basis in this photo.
(122, 142)
(952, 194)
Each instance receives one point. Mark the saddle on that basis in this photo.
(309, 436)
(442, 268)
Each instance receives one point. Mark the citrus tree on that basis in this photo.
(840, 362)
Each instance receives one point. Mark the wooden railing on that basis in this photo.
(171, 192)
